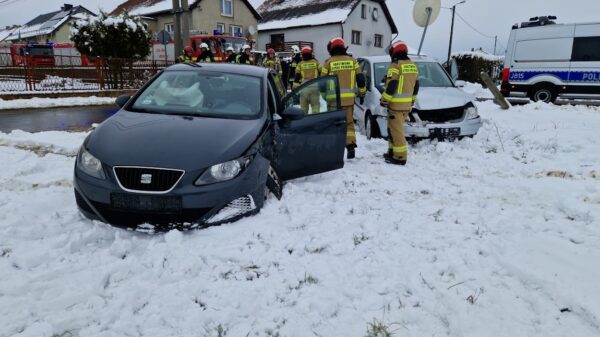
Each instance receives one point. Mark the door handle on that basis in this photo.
(339, 123)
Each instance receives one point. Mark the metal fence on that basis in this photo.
(73, 73)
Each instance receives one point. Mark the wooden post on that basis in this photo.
(499, 98)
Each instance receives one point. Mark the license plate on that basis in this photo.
(444, 132)
(151, 203)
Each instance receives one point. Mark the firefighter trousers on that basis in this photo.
(310, 96)
(397, 142)
(350, 131)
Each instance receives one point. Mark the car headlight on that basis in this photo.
(90, 164)
(223, 172)
(471, 112)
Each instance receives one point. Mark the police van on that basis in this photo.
(545, 60)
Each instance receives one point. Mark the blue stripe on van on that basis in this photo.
(564, 76)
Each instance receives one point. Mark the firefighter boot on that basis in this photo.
(390, 160)
(351, 153)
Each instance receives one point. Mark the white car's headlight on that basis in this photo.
(471, 112)
(223, 172)
(90, 164)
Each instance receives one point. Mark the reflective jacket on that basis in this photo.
(306, 71)
(243, 59)
(207, 57)
(231, 58)
(295, 60)
(274, 65)
(184, 58)
(401, 86)
(349, 76)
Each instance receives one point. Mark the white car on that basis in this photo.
(442, 109)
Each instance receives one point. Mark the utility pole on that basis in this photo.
(185, 22)
(495, 43)
(452, 31)
(177, 37)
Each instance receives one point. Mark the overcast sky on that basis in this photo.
(490, 17)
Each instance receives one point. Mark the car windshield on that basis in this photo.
(198, 93)
(235, 43)
(40, 51)
(431, 74)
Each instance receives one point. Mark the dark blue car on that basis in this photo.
(202, 145)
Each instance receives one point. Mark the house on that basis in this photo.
(49, 27)
(234, 17)
(366, 25)
(5, 32)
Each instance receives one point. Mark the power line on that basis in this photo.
(4, 3)
(473, 28)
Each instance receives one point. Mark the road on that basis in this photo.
(36, 120)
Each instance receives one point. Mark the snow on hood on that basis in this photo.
(431, 98)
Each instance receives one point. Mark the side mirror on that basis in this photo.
(460, 83)
(122, 100)
(292, 113)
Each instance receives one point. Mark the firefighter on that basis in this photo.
(400, 93)
(308, 69)
(206, 55)
(273, 63)
(231, 56)
(187, 56)
(296, 58)
(245, 56)
(349, 75)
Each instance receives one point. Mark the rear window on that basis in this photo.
(586, 49)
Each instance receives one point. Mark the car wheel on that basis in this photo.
(543, 93)
(273, 185)
(371, 127)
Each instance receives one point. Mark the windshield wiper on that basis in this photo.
(143, 110)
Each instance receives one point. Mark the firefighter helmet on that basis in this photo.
(244, 47)
(188, 49)
(271, 51)
(335, 43)
(295, 49)
(398, 47)
(203, 45)
(230, 48)
(307, 51)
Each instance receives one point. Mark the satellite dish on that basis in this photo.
(425, 13)
(422, 10)
(251, 30)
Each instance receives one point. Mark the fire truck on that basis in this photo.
(32, 54)
(218, 43)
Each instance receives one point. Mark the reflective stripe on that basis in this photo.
(401, 100)
(386, 96)
(350, 134)
(324, 71)
(400, 149)
(393, 71)
(352, 79)
(347, 94)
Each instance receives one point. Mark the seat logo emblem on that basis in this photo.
(146, 179)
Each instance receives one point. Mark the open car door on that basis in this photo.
(311, 137)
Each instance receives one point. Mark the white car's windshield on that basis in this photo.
(199, 93)
(431, 74)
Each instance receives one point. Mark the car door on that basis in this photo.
(314, 143)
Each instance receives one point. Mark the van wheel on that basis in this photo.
(543, 93)
(371, 127)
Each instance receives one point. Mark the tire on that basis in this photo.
(543, 93)
(371, 127)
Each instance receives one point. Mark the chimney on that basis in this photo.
(66, 7)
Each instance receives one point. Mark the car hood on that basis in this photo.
(431, 98)
(168, 141)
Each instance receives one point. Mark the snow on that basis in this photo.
(328, 16)
(479, 54)
(38, 102)
(160, 6)
(477, 90)
(490, 236)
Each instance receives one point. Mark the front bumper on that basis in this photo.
(468, 128)
(201, 206)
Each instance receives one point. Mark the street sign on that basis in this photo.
(163, 37)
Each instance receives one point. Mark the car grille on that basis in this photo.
(132, 218)
(145, 179)
(441, 115)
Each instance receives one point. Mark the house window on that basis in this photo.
(227, 7)
(363, 11)
(170, 27)
(236, 30)
(221, 27)
(356, 37)
(378, 41)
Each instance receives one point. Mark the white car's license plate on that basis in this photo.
(444, 132)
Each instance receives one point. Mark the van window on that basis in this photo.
(586, 49)
(544, 50)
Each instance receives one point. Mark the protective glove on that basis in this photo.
(361, 100)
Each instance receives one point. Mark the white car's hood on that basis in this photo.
(430, 98)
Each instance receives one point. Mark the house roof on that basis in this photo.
(281, 14)
(159, 7)
(47, 23)
(4, 33)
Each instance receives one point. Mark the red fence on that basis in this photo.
(69, 73)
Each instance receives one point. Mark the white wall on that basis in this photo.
(318, 35)
(369, 28)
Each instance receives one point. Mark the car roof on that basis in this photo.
(242, 69)
(386, 58)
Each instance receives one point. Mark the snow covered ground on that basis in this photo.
(492, 236)
(39, 102)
